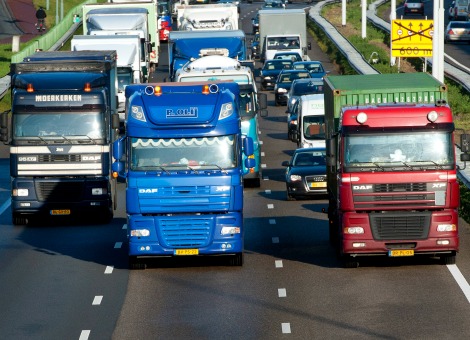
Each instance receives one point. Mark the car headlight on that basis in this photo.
(281, 90)
(267, 78)
(295, 178)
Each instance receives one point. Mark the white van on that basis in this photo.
(311, 121)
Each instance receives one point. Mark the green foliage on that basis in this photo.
(464, 210)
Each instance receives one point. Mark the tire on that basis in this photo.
(19, 220)
(448, 259)
(289, 197)
(136, 264)
(236, 260)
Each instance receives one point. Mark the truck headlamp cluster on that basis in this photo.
(231, 230)
(226, 110)
(354, 230)
(361, 118)
(137, 113)
(140, 232)
(20, 192)
(432, 116)
(446, 227)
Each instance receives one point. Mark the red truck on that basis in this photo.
(391, 167)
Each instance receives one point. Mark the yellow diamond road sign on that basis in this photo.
(412, 38)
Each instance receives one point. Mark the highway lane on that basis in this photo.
(291, 283)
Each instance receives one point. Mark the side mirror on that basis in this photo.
(285, 163)
(465, 142)
(118, 148)
(248, 146)
(263, 100)
(331, 152)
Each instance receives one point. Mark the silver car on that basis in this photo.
(457, 31)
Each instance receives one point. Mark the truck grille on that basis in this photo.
(379, 196)
(400, 225)
(59, 158)
(186, 232)
(59, 191)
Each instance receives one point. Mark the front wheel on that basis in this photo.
(236, 260)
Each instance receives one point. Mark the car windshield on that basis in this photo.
(278, 65)
(309, 158)
(306, 88)
(291, 76)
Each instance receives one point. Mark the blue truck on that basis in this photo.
(62, 122)
(182, 159)
(184, 46)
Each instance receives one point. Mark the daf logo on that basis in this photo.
(92, 158)
(59, 149)
(362, 187)
(147, 191)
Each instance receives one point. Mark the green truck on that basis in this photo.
(391, 168)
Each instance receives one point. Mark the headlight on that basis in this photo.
(140, 232)
(230, 230)
(267, 77)
(20, 192)
(295, 178)
(281, 90)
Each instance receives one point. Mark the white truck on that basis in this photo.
(283, 30)
(126, 18)
(251, 103)
(311, 121)
(203, 17)
(131, 66)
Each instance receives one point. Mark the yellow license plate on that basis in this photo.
(60, 212)
(318, 185)
(186, 251)
(401, 252)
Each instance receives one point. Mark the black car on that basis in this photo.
(292, 122)
(306, 173)
(284, 82)
(270, 71)
(255, 52)
(255, 23)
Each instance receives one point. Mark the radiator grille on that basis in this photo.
(186, 232)
(400, 226)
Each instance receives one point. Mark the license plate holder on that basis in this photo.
(401, 252)
(185, 252)
(60, 212)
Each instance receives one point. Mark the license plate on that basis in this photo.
(318, 185)
(60, 212)
(401, 252)
(186, 251)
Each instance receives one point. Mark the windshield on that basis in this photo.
(58, 125)
(124, 78)
(408, 150)
(283, 43)
(183, 153)
(314, 127)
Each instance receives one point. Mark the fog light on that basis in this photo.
(358, 244)
(354, 230)
(443, 242)
(446, 227)
(25, 204)
(230, 230)
(140, 232)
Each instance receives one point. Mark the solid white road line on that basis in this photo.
(463, 284)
